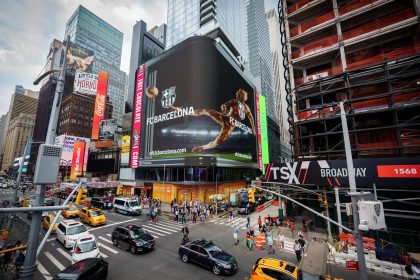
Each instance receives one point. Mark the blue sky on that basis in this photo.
(27, 28)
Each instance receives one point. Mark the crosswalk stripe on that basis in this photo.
(162, 227)
(107, 248)
(109, 235)
(54, 261)
(157, 229)
(177, 226)
(152, 231)
(106, 240)
(103, 255)
(43, 271)
(226, 221)
(234, 221)
(64, 253)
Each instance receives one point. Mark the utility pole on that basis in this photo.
(327, 213)
(353, 193)
(337, 204)
(29, 266)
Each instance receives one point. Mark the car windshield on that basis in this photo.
(213, 250)
(76, 230)
(87, 246)
(136, 232)
(73, 208)
(133, 203)
(96, 213)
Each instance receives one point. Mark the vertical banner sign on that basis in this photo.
(137, 110)
(264, 131)
(100, 102)
(257, 114)
(77, 160)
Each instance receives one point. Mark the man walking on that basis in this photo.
(302, 244)
(281, 241)
(270, 243)
(235, 234)
(259, 223)
(297, 249)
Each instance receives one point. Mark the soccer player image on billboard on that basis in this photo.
(204, 110)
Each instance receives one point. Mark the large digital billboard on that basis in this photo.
(100, 103)
(80, 58)
(197, 104)
(85, 83)
(67, 142)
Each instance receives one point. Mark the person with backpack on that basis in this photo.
(302, 244)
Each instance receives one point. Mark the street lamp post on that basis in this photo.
(353, 193)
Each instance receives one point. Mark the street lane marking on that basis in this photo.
(64, 253)
(159, 230)
(51, 239)
(106, 240)
(108, 235)
(54, 261)
(154, 232)
(178, 227)
(43, 271)
(163, 227)
(107, 248)
(110, 225)
(232, 221)
(103, 255)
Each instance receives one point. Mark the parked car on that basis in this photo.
(87, 269)
(265, 268)
(100, 202)
(47, 220)
(85, 247)
(49, 201)
(246, 208)
(207, 254)
(92, 216)
(133, 238)
(128, 206)
(68, 231)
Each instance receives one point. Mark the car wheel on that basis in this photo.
(185, 258)
(133, 249)
(115, 242)
(115, 210)
(216, 270)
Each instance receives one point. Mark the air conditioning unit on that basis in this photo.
(371, 214)
(47, 164)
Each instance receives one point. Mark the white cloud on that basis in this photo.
(28, 27)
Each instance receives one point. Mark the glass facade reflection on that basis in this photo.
(89, 31)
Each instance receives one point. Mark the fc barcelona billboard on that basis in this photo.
(197, 106)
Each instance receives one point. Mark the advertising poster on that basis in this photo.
(137, 117)
(80, 58)
(85, 83)
(125, 144)
(67, 142)
(259, 151)
(264, 130)
(78, 160)
(107, 129)
(100, 103)
(204, 111)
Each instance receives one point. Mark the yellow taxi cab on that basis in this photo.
(72, 212)
(272, 269)
(47, 220)
(92, 216)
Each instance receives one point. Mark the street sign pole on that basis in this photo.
(337, 204)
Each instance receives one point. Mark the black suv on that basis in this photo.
(87, 269)
(207, 254)
(99, 202)
(133, 238)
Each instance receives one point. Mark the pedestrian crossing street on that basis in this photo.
(240, 222)
(57, 258)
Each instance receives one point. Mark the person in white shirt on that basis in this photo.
(298, 251)
(281, 241)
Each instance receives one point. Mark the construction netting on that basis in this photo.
(353, 5)
(316, 45)
(311, 23)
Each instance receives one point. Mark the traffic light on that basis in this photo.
(320, 199)
(119, 189)
(81, 195)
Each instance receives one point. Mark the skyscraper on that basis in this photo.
(260, 62)
(144, 46)
(224, 22)
(89, 31)
(280, 93)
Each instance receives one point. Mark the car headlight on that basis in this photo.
(140, 243)
(227, 266)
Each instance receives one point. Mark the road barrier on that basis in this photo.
(265, 205)
(260, 241)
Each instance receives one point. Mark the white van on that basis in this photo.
(127, 206)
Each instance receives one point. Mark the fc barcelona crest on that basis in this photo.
(168, 97)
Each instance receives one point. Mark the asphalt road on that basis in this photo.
(163, 261)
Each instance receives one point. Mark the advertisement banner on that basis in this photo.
(85, 83)
(125, 144)
(78, 160)
(384, 172)
(264, 130)
(67, 142)
(137, 117)
(100, 103)
(107, 129)
(258, 113)
(80, 58)
(210, 117)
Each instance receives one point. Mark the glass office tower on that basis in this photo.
(89, 31)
